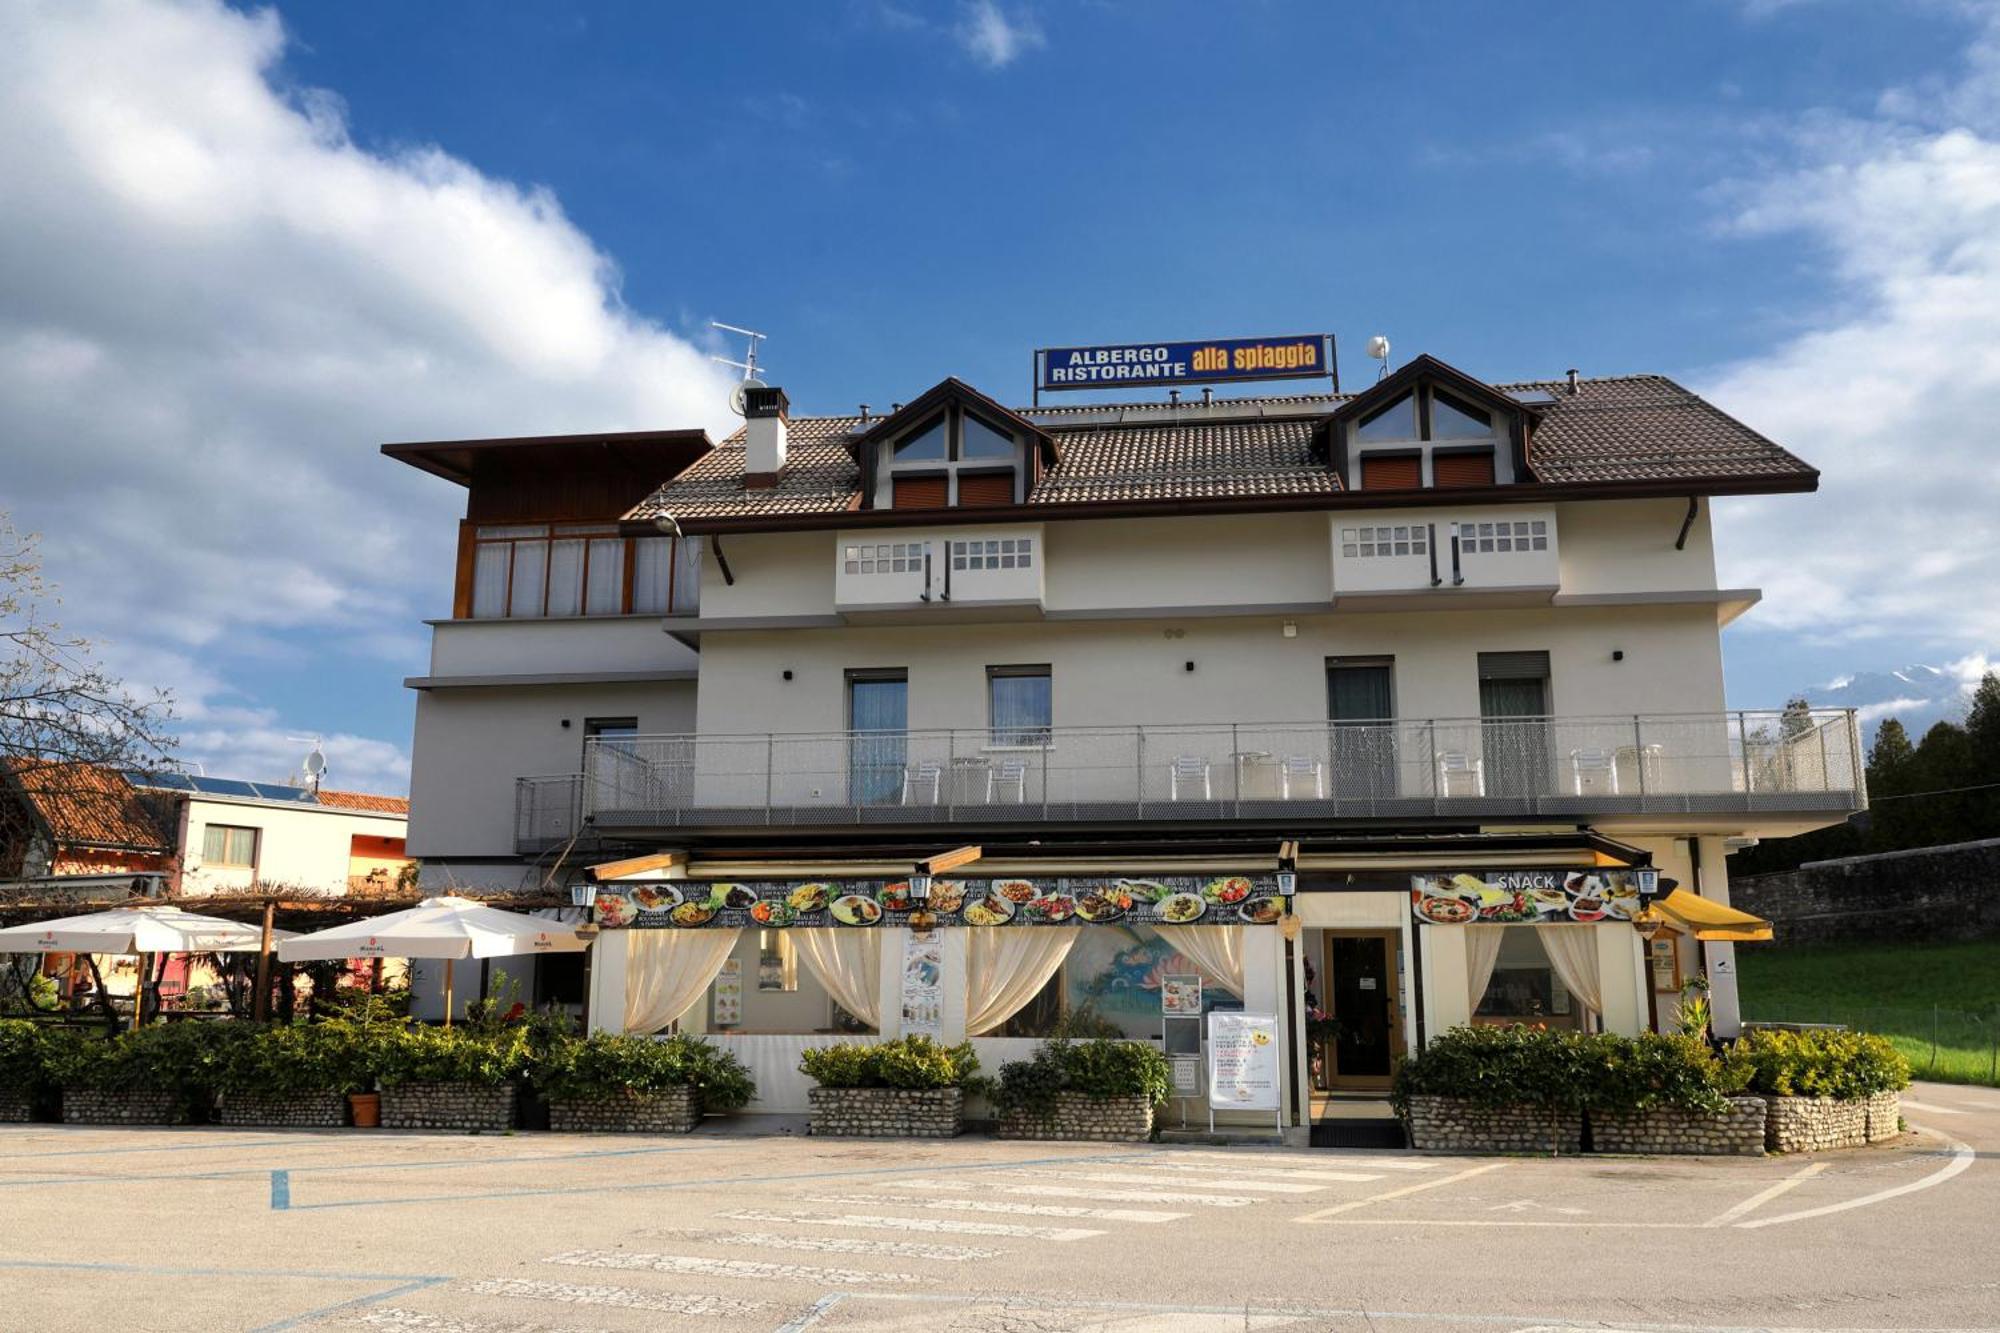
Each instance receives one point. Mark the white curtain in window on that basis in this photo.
(1572, 951)
(668, 971)
(687, 577)
(531, 573)
(1482, 951)
(606, 594)
(652, 558)
(566, 576)
(1007, 966)
(1216, 952)
(489, 579)
(849, 964)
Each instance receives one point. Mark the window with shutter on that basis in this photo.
(920, 492)
(1402, 473)
(1462, 469)
(984, 490)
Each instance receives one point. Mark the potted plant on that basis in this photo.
(912, 1087)
(619, 1084)
(447, 1078)
(1099, 1089)
(23, 1070)
(297, 1075)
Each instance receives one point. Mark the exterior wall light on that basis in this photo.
(1288, 883)
(920, 888)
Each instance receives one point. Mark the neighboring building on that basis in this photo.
(1439, 627)
(76, 819)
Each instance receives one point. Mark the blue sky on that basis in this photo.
(420, 213)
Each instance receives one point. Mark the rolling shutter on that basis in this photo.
(1395, 473)
(1462, 469)
(919, 493)
(983, 490)
(1514, 666)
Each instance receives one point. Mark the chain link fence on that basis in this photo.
(1948, 1045)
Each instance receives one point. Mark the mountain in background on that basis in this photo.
(1918, 696)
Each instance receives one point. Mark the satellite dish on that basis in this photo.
(315, 763)
(1378, 347)
(737, 394)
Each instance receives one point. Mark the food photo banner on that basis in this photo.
(1530, 897)
(1223, 900)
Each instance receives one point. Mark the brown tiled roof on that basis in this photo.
(359, 800)
(1637, 431)
(86, 806)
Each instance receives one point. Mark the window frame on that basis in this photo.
(592, 535)
(227, 831)
(955, 461)
(1020, 738)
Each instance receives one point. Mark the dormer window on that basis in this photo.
(1425, 428)
(956, 459)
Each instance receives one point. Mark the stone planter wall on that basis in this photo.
(461, 1106)
(1885, 1114)
(669, 1111)
(1809, 1124)
(1450, 1125)
(304, 1110)
(1739, 1133)
(1078, 1117)
(15, 1107)
(86, 1106)
(888, 1113)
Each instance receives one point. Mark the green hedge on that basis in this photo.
(602, 1066)
(1818, 1062)
(416, 1054)
(907, 1062)
(23, 1057)
(1519, 1065)
(184, 1059)
(289, 1060)
(1096, 1068)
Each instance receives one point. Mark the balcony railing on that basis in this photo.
(1557, 766)
(548, 812)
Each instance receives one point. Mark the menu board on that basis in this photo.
(1527, 898)
(1223, 900)
(1180, 995)
(729, 994)
(923, 996)
(1242, 1061)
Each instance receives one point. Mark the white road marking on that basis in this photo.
(688, 1263)
(1397, 1194)
(1135, 1178)
(896, 1249)
(625, 1298)
(996, 1206)
(1078, 1192)
(1961, 1158)
(1261, 1171)
(1935, 1110)
(390, 1316)
(1764, 1196)
(1313, 1158)
(943, 1225)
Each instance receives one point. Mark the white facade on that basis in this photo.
(292, 844)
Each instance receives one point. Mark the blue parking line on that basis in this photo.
(281, 1191)
(404, 1282)
(372, 1298)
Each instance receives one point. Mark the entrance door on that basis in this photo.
(877, 741)
(1361, 982)
(1360, 705)
(1514, 709)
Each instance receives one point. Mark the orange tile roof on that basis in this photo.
(87, 806)
(358, 800)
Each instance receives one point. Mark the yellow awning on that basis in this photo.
(1708, 920)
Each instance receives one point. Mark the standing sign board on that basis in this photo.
(1242, 1063)
(923, 966)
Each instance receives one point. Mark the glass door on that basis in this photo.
(1361, 986)
(878, 715)
(1514, 711)
(1360, 707)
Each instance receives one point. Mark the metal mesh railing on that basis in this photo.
(1951, 1045)
(548, 811)
(1548, 765)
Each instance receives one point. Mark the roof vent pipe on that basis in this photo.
(894, 408)
(1572, 381)
(1173, 397)
(864, 414)
(1207, 397)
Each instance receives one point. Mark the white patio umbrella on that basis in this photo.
(449, 928)
(141, 928)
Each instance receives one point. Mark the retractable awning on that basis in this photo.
(1706, 919)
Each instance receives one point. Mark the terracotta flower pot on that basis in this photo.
(367, 1109)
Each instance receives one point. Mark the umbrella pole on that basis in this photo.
(139, 991)
(447, 992)
(262, 1009)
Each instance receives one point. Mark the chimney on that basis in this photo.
(1572, 381)
(764, 411)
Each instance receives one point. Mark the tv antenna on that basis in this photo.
(748, 365)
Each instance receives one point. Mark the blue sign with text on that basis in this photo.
(1216, 361)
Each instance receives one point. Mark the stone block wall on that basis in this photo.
(888, 1113)
(1885, 1115)
(1809, 1124)
(1076, 1117)
(1449, 1124)
(668, 1111)
(305, 1110)
(461, 1106)
(1669, 1130)
(1931, 893)
(14, 1106)
(86, 1106)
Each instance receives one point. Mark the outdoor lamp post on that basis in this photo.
(1649, 922)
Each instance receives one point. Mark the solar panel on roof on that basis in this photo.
(163, 781)
(1533, 397)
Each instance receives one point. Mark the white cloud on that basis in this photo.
(214, 304)
(996, 38)
(1896, 392)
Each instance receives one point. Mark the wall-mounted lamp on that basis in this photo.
(1291, 629)
(565, 723)
(1617, 654)
(1187, 666)
(920, 888)
(788, 673)
(1288, 883)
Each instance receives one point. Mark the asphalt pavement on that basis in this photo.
(543, 1233)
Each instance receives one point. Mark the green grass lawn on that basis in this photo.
(1940, 1003)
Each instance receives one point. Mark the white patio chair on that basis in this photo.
(1457, 769)
(918, 778)
(1190, 769)
(1303, 769)
(1008, 773)
(1593, 772)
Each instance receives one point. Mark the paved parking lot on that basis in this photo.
(567, 1233)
